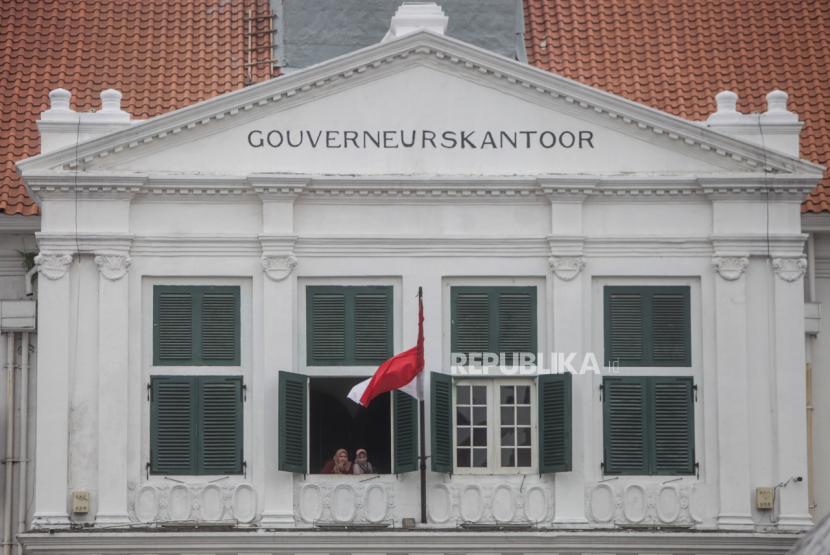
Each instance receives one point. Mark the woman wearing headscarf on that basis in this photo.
(339, 464)
(361, 463)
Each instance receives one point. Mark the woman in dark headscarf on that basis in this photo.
(339, 464)
(361, 463)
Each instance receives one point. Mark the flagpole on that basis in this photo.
(422, 436)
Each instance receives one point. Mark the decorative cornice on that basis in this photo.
(730, 268)
(85, 243)
(278, 267)
(113, 267)
(53, 266)
(790, 269)
(566, 268)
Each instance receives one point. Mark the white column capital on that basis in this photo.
(279, 267)
(730, 268)
(53, 266)
(566, 268)
(113, 266)
(790, 269)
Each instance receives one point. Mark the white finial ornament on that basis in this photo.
(417, 16)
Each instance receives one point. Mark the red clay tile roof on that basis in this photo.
(160, 54)
(675, 55)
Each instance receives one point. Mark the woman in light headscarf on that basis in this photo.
(339, 464)
(361, 463)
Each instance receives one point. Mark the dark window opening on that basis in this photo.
(337, 422)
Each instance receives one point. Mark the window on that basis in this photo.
(348, 325)
(649, 425)
(195, 325)
(196, 425)
(647, 326)
(493, 320)
(506, 425)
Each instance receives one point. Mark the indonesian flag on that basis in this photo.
(399, 372)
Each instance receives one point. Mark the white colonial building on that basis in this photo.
(214, 280)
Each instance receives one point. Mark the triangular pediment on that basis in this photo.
(424, 104)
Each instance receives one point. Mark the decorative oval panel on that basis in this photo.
(376, 504)
(503, 504)
(343, 503)
(213, 506)
(634, 503)
(668, 504)
(146, 503)
(536, 504)
(602, 503)
(244, 503)
(179, 503)
(311, 503)
(440, 504)
(472, 504)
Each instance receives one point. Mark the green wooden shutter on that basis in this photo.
(326, 335)
(173, 424)
(293, 409)
(441, 422)
(626, 425)
(219, 326)
(555, 422)
(372, 325)
(470, 326)
(172, 325)
(671, 322)
(516, 328)
(220, 425)
(624, 326)
(406, 432)
(673, 416)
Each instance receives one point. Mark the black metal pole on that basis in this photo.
(423, 458)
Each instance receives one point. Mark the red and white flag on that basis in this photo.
(398, 372)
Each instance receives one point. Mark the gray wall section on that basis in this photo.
(312, 31)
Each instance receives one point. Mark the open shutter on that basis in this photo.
(372, 325)
(555, 422)
(625, 425)
(220, 419)
(173, 417)
(218, 331)
(293, 408)
(625, 332)
(172, 325)
(673, 412)
(326, 316)
(470, 307)
(441, 419)
(516, 331)
(406, 432)
(670, 323)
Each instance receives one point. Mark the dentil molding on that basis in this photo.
(566, 268)
(279, 267)
(789, 269)
(730, 268)
(113, 266)
(53, 266)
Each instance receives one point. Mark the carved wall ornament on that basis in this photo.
(789, 269)
(53, 266)
(730, 268)
(113, 267)
(566, 268)
(279, 267)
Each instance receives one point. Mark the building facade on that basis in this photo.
(213, 281)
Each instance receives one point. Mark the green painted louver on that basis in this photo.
(441, 422)
(293, 409)
(348, 325)
(493, 320)
(196, 325)
(647, 326)
(649, 425)
(406, 432)
(196, 425)
(555, 422)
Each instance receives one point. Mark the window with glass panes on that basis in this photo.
(515, 428)
(471, 426)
